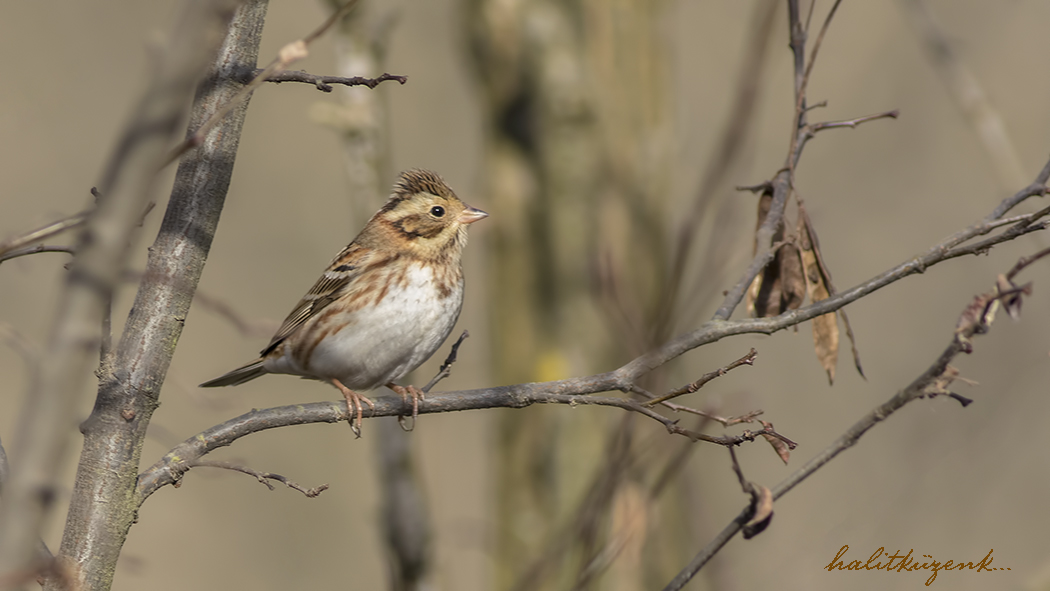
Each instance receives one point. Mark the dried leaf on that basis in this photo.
(763, 295)
(781, 285)
(826, 342)
(752, 295)
(765, 202)
(1012, 302)
(792, 277)
(819, 287)
(778, 444)
(767, 296)
(762, 506)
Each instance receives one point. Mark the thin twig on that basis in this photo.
(814, 52)
(324, 83)
(443, 372)
(169, 469)
(748, 359)
(1025, 261)
(725, 421)
(446, 368)
(921, 387)
(43, 232)
(288, 54)
(744, 484)
(263, 477)
(853, 123)
(14, 254)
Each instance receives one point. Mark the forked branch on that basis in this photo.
(975, 319)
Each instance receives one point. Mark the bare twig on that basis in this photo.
(784, 181)
(813, 57)
(288, 54)
(748, 359)
(443, 372)
(1025, 261)
(799, 133)
(170, 468)
(263, 477)
(43, 233)
(14, 254)
(745, 485)
(928, 384)
(725, 421)
(446, 368)
(324, 83)
(853, 123)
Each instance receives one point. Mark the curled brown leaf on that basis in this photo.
(778, 444)
(825, 327)
(762, 511)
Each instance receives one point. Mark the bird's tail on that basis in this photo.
(238, 376)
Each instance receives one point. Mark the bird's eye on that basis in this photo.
(437, 211)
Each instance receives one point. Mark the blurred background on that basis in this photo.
(593, 132)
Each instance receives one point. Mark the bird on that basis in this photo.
(384, 304)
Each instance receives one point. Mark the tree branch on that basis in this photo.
(748, 359)
(263, 477)
(976, 319)
(130, 385)
(43, 233)
(718, 328)
(102, 248)
(852, 123)
(783, 182)
(288, 54)
(14, 254)
(323, 83)
(574, 391)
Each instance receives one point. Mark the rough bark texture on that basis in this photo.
(131, 380)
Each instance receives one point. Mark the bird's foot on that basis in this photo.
(405, 392)
(354, 408)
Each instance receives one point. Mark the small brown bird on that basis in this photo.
(384, 305)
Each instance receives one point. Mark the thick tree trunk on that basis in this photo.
(104, 502)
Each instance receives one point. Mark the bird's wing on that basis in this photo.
(333, 283)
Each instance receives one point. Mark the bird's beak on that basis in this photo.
(471, 215)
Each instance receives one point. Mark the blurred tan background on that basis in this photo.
(943, 480)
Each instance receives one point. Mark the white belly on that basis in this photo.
(382, 342)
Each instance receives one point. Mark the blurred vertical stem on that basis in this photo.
(577, 132)
(360, 118)
(130, 382)
(540, 174)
